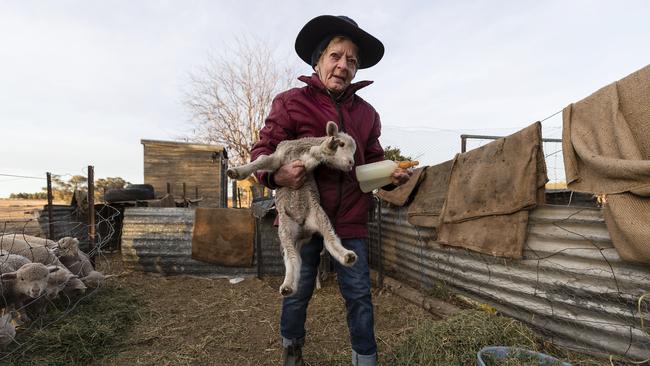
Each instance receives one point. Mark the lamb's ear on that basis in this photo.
(52, 268)
(9, 276)
(332, 129)
(333, 143)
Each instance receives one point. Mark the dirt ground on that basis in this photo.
(198, 321)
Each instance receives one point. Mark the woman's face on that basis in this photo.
(337, 65)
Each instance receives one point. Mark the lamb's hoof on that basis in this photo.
(286, 290)
(232, 173)
(349, 259)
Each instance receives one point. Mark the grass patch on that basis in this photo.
(456, 340)
(440, 290)
(79, 335)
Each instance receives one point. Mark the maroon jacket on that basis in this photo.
(304, 112)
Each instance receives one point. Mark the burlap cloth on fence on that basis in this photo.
(223, 236)
(490, 192)
(427, 203)
(400, 195)
(606, 145)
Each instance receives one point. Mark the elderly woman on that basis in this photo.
(335, 47)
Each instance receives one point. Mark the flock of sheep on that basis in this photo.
(34, 271)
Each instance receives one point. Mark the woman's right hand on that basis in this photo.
(290, 175)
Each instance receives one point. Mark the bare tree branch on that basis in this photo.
(231, 96)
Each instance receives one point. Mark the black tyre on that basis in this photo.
(128, 194)
(147, 187)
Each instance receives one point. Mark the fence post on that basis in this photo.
(91, 213)
(463, 143)
(50, 224)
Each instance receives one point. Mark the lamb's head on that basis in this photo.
(58, 281)
(30, 279)
(68, 246)
(74, 287)
(338, 149)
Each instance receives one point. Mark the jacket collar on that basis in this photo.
(314, 82)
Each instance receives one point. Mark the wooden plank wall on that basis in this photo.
(196, 165)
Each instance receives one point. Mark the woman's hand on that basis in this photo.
(290, 175)
(400, 176)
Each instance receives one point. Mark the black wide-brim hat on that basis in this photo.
(371, 50)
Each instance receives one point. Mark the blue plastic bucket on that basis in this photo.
(500, 352)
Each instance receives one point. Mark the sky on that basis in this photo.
(82, 82)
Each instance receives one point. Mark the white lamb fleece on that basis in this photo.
(299, 210)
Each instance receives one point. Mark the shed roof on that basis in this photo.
(193, 145)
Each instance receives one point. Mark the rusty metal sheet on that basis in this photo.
(224, 236)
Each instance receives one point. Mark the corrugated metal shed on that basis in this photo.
(571, 284)
(199, 166)
(160, 240)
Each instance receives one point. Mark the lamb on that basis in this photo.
(299, 210)
(79, 263)
(59, 281)
(28, 282)
(11, 262)
(95, 279)
(74, 259)
(25, 245)
(7, 330)
(35, 241)
(66, 281)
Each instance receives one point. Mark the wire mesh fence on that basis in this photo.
(35, 237)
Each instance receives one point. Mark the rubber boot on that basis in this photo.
(292, 356)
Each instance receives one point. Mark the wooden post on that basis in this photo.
(169, 188)
(50, 224)
(91, 213)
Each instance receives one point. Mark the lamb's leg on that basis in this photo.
(330, 240)
(263, 162)
(288, 231)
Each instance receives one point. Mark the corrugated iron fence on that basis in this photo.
(571, 285)
(160, 240)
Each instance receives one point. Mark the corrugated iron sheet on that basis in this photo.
(269, 242)
(67, 221)
(571, 285)
(160, 240)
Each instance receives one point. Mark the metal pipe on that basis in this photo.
(91, 213)
(463, 140)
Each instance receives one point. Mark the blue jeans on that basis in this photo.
(354, 284)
